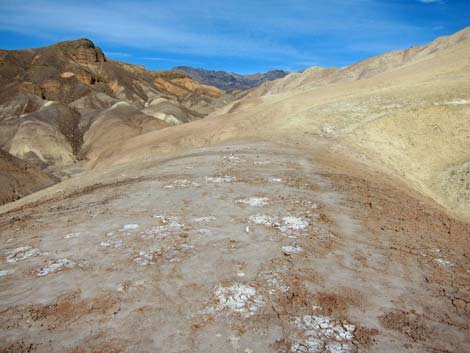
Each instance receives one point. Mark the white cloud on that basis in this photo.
(274, 31)
(146, 26)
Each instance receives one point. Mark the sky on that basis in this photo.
(243, 36)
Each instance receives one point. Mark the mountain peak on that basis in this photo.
(78, 40)
(82, 50)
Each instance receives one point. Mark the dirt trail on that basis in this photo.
(248, 248)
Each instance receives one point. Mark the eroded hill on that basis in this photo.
(56, 102)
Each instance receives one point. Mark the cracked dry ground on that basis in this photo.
(248, 248)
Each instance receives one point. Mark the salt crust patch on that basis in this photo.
(183, 183)
(286, 224)
(72, 235)
(21, 253)
(118, 244)
(221, 179)
(239, 298)
(172, 254)
(444, 262)
(275, 283)
(327, 130)
(232, 159)
(323, 334)
(203, 219)
(168, 225)
(292, 249)
(4, 273)
(254, 201)
(131, 226)
(295, 223)
(262, 219)
(144, 258)
(275, 180)
(55, 266)
(262, 162)
(457, 101)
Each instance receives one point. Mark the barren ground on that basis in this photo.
(241, 248)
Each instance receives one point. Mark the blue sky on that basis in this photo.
(244, 36)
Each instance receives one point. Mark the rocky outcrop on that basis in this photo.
(83, 51)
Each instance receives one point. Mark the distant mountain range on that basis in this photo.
(230, 81)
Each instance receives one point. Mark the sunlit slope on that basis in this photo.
(407, 113)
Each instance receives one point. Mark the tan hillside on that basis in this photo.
(406, 112)
(114, 125)
(18, 179)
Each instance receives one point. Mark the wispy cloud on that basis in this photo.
(142, 25)
(272, 33)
